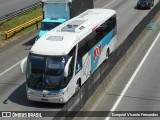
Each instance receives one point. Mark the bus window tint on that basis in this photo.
(111, 23)
(91, 40)
(83, 48)
(37, 64)
(105, 28)
(78, 63)
(71, 67)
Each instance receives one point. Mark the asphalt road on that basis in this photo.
(8, 6)
(143, 89)
(12, 82)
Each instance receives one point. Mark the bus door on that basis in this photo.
(71, 75)
(86, 63)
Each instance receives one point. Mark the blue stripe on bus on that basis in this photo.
(106, 40)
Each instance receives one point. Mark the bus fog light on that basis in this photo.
(61, 100)
(60, 94)
(29, 97)
(28, 91)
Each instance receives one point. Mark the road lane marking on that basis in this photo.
(10, 68)
(133, 76)
(108, 4)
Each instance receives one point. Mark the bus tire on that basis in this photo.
(152, 3)
(107, 53)
(78, 86)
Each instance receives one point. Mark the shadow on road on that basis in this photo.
(135, 8)
(19, 97)
(30, 42)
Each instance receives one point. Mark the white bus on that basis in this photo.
(61, 61)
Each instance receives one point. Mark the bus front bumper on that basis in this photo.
(40, 97)
(45, 99)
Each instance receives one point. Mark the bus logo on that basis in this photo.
(97, 51)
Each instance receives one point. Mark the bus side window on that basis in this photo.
(105, 28)
(99, 36)
(91, 40)
(83, 48)
(78, 63)
(111, 23)
(71, 67)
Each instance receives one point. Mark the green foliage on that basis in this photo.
(9, 24)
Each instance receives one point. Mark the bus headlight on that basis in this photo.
(30, 90)
(62, 93)
(61, 100)
(56, 94)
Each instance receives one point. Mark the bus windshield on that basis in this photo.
(47, 26)
(45, 72)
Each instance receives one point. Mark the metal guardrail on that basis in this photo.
(18, 12)
(24, 25)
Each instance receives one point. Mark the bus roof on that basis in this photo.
(60, 40)
(56, 44)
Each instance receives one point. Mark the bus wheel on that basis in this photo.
(78, 86)
(152, 3)
(149, 6)
(107, 53)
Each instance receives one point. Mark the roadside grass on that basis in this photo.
(9, 24)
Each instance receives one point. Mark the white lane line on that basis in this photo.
(133, 76)
(108, 4)
(10, 68)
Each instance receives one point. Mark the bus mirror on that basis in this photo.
(66, 69)
(23, 64)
